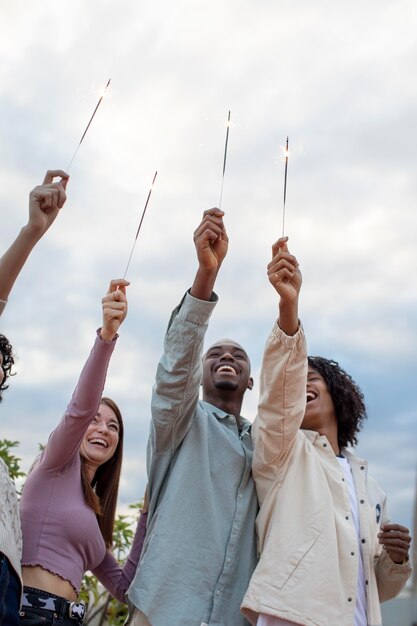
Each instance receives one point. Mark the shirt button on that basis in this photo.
(347, 517)
(366, 582)
(362, 467)
(231, 418)
(228, 560)
(218, 592)
(240, 496)
(325, 445)
(236, 526)
(352, 553)
(343, 479)
(363, 540)
(349, 599)
(362, 501)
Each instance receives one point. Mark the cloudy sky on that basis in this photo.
(338, 78)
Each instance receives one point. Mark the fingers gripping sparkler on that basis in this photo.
(224, 159)
(88, 125)
(140, 224)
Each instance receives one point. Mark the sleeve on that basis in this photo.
(390, 577)
(281, 406)
(117, 579)
(65, 440)
(179, 373)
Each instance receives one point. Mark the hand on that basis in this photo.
(396, 540)
(46, 200)
(283, 271)
(114, 308)
(211, 240)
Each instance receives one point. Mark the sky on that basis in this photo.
(337, 78)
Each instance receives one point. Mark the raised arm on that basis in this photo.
(283, 375)
(179, 371)
(65, 440)
(45, 201)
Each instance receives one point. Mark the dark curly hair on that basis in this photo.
(8, 360)
(348, 400)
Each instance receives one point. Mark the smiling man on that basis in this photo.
(200, 549)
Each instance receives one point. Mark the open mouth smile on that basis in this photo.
(97, 441)
(225, 369)
(311, 395)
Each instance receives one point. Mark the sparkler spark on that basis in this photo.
(140, 223)
(286, 153)
(88, 125)
(224, 159)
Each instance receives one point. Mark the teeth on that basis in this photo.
(226, 368)
(101, 441)
(310, 396)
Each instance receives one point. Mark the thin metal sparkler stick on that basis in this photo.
(285, 187)
(224, 159)
(88, 125)
(140, 224)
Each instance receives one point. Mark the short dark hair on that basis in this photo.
(348, 399)
(8, 360)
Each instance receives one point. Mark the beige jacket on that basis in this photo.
(308, 566)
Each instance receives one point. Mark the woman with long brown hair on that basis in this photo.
(69, 499)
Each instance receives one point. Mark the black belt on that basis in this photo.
(38, 599)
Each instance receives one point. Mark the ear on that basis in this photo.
(250, 383)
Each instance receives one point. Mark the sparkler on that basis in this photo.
(88, 125)
(224, 159)
(285, 186)
(140, 224)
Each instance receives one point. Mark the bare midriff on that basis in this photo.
(39, 578)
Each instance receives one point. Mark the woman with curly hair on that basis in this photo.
(328, 552)
(45, 202)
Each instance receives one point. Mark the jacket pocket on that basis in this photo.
(293, 555)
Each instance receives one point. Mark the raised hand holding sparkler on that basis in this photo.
(224, 159)
(88, 125)
(286, 153)
(140, 223)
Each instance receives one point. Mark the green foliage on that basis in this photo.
(12, 461)
(103, 610)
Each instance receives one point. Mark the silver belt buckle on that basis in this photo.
(77, 611)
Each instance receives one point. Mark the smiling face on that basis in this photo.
(102, 437)
(226, 366)
(319, 414)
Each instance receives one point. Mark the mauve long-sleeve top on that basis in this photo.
(60, 530)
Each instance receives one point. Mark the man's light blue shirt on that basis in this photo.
(200, 548)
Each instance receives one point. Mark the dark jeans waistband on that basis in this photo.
(45, 601)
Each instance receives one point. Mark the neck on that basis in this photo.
(231, 405)
(91, 470)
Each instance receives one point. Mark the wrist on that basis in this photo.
(32, 232)
(204, 282)
(288, 316)
(107, 335)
